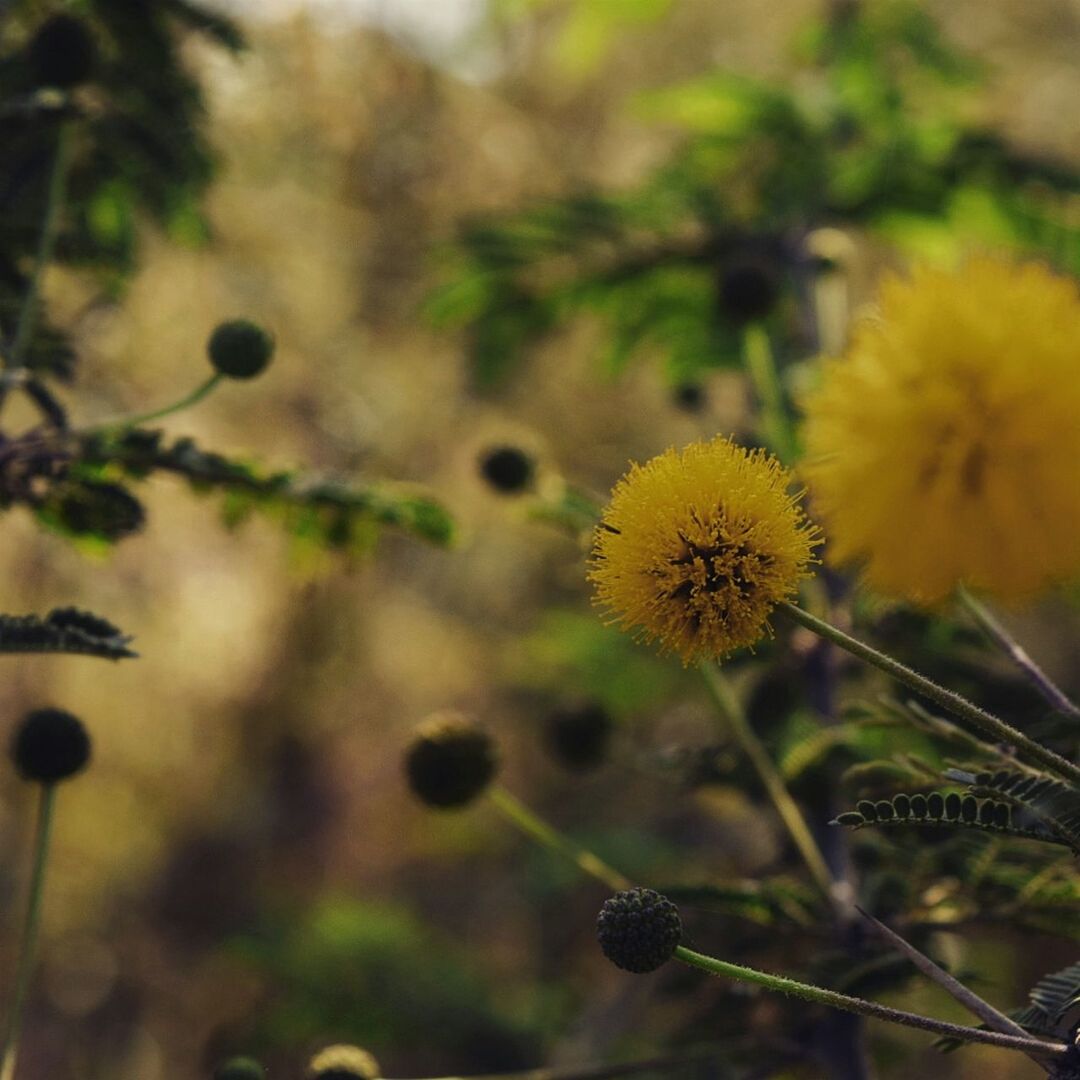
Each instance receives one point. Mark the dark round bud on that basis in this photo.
(450, 761)
(508, 469)
(639, 930)
(239, 349)
(343, 1063)
(748, 292)
(689, 396)
(50, 745)
(97, 508)
(578, 738)
(62, 52)
(240, 1068)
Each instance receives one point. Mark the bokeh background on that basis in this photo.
(242, 869)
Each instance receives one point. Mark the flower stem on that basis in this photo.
(196, 395)
(24, 330)
(760, 365)
(1017, 653)
(985, 722)
(28, 945)
(809, 992)
(551, 838)
(993, 1018)
(773, 782)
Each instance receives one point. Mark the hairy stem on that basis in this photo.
(785, 805)
(985, 722)
(551, 838)
(1017, 653)
(809, 992)
(28, 943)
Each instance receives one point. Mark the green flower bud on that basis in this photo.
(508, 469)
(343, 1063)
(50, 745)
(639, 930)
(240, 1068)
(240, 349)
(450, 761)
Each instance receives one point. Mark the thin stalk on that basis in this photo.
(820, 995)
(1016, 652)
(785, 805)
(28, 944)
(196, 395)
(971, 1001)
(760, 365)
(959, 706)
(551, 838)
(24, 330)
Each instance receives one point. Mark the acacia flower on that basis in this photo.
(698, 545)
(942, 449)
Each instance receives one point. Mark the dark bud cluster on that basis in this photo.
(508, 469)
(747, 292)
(450, 762)
(343, 1063)
(240, 349)
(62, 53)
(690, 397)
(50, 745)
(240, 1068)
(579, 737)
(639, 930)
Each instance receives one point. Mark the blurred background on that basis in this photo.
(243, 869)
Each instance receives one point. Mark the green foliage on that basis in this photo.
(63, 630)
(882, 144)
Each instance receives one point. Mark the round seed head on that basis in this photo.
(240, 1068)
(62, 52)
(508, 469)
(50, 745)
(639, 929)
(748, 292)
(343, 1063)
(450, 761)
(578, 737)
(240, 349)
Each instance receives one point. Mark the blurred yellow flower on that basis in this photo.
(944, 447)
(698, 545)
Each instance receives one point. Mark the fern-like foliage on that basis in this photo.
(1054, 803)
(63, 630)
(950, 810)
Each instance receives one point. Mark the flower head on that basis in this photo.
(943, 447)
(639, 930)
(50, 745)
(343, 1063)
(450, 761)
(698, 545)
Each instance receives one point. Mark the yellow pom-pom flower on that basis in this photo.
(697, 546)
(943, 448)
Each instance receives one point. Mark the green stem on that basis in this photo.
(551, 838)
(820, 995)
(773, 782)
(28, 944)
(196, 395)
(46, 246)
(1018, 654)
(959, 706)
(775, 422)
